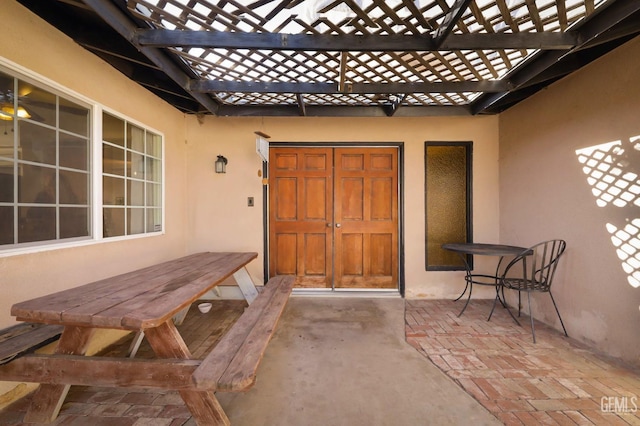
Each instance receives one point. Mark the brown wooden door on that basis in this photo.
(301, 216)
(333, 216)
(366, 218)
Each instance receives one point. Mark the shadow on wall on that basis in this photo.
(612, 171)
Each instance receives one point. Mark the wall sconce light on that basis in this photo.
(221, 164)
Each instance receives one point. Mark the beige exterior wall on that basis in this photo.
(544, 194)
(44, 52)
(219, 218)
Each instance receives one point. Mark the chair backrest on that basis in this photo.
(539, 264)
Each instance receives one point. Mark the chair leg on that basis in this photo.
(519, 302)
(558, 312)
(533, 331)
(506, 305)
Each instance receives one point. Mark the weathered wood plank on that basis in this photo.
(50, 307)
(215, 364)
(251, 332)
(141, 291)
(168, 304)
(203, 405)
(48, 399)
(146, 297)
(101, 371)
(24, 338)
(241, 373)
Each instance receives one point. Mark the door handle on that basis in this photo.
(338, 225)
(329, 225)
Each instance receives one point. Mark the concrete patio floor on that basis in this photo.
(348, 361)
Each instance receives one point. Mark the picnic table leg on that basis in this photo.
(48, 399)
(246, 284)
(204, 406)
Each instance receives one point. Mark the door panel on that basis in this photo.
(300, 232)
(334, 226)
(366, 216)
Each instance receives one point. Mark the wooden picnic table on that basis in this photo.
(146, 301)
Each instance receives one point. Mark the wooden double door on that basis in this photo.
(333, 216)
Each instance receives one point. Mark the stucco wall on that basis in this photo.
(544, 193)
(219, 218)
(44, 52)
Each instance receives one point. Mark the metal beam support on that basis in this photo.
(301, 104)
(113, 16)
(351, 42)
(450, 21)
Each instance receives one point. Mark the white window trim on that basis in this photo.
(95, 135)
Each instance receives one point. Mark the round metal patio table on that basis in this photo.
(484, 249)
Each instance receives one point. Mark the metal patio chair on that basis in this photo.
(533, 271)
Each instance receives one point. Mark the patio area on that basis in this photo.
(346, 361)
(556, 381)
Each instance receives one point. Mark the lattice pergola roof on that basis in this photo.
(346, 57)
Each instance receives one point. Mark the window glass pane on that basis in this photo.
(135, 165)
(7, 135)
(112, 160)
(74, 222)
(112, 129)
(45, 164)
(154, 169)
(112, 191)
(37, 143)
(73, 187)
(447, 202)
(154, 195)
(36, 104)
(6, 181)
(135, 137)
(135, 193)
(135, 221)
(154, 220)
(112, 222)
(6, 88)
(6, 225)
(37, 185)
(74, 152)
(154, 145)
(36, 224)
(74, 118)
(7, 98)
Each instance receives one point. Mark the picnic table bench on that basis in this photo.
(147, 301)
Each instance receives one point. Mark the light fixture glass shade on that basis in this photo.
(7, 112)
(221, 164)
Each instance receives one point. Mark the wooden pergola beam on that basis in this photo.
(160, 38)
(213, 86)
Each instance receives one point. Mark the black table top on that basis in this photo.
(484, 249)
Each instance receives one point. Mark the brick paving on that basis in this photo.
(556, 381)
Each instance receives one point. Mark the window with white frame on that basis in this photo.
(131, 178)
(47, 179)
(45, 172)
